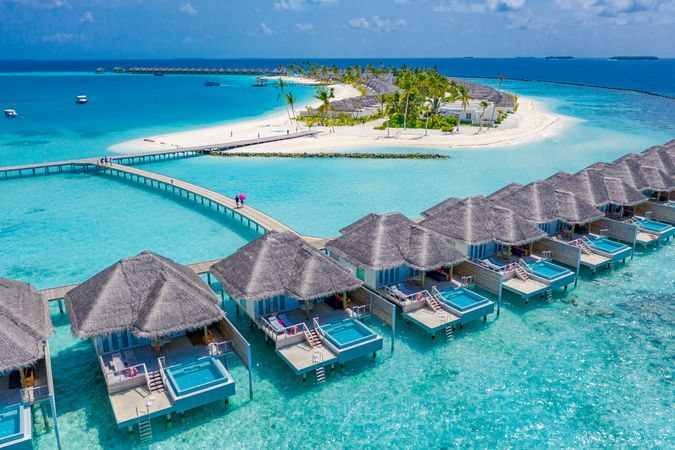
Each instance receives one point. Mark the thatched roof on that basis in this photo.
(505, 192)
(282, 264)
(387, 241)
(597, 189)
(639, 176)
(658, 157)
(25, 325)
(479, 220)
(148, 295)
(442, 206)
(541, 203)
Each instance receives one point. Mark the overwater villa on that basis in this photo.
(160, 338)
(555, 211)
(599, 240)
(503, 242)
(652, 182)
(309, 306)
(25, 365)
(413, 267)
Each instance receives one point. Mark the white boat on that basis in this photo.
(100, 70)
(81, 99)
(10, 113)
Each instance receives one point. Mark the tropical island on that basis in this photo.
(376, 107)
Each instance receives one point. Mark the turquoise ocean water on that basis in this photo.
(592, 368)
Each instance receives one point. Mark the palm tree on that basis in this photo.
(324, 96)
(483, 106)
(463, 96)
(409, 87)
(290, 101)
(282, 86)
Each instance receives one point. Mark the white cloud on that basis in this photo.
(42, 4)
(388, 25)
(377, 23)
(401, 2)
(298, 5)
(266, 30)
(621, 12)
(62, 37)
(188, 8)
(87, 17)
(466, 6)
(359, 22)
(304, 27)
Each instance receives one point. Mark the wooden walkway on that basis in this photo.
(206, 71)
(257, 219)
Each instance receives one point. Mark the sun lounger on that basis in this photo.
(287, 322)
(130, 356)
(116, 362)
(276, 325)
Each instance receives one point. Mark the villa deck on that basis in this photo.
(139, 386)
(306, 347)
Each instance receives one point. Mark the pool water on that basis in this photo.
(347, 332)
(653, 225)
(10, 423)
(548, 270)
(607, 245)
(462, 299)
(187, 377)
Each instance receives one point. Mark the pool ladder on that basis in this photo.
(450, 332)
(548, 295)
(317, 358)
(611, 264)
(144, 425)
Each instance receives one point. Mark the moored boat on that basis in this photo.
(10, 113)
(81, 99)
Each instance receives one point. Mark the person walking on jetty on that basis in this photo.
(242, 197)
(236, 199)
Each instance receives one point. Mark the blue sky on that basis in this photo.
(334, 28)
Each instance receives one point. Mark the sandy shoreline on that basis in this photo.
(529, 124)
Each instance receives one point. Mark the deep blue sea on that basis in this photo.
(590, 369)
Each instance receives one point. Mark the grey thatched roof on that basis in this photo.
(637, 175)
(658, 157)
(597, 189)
(25, 325)
(483, 92)
(442, 206)
(479, 220)
(387, 241)
(380, 83)
(541, 203)
(282, 264)
(505, 192)
(149, 295)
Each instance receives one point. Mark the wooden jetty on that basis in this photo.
(206, 71)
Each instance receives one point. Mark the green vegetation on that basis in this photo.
(333, 155)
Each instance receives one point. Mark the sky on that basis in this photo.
(108, 29)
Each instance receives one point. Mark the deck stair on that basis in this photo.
(611, 264)
(144, 425)
(521, 273)
(585, 249)
(156, 383)
(449, 333)
(312, 337)
(548, 295)
(433, 303)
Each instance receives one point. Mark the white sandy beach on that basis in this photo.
(530, 123)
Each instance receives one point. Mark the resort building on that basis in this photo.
(309, 306)
(472, 113)
(501, 100)
(25, 365)
(501, 241)
(555, 211)
(160, 338)
(653, 221)
(599, 239)
(413, 267)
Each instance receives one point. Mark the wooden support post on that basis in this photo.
(208, 277)
(61, 306)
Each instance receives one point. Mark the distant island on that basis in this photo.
(634, 58)
(559, 57)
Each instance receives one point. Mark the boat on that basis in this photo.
(81, 99)
(10, 113)
(118, 69)
(100, 70)
(211, 83)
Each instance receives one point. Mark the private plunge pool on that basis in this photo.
(462, 299)
(347, 333)
(607, 246)
(652, 226)
(192, 376)
(10, 424)
(548, 270)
